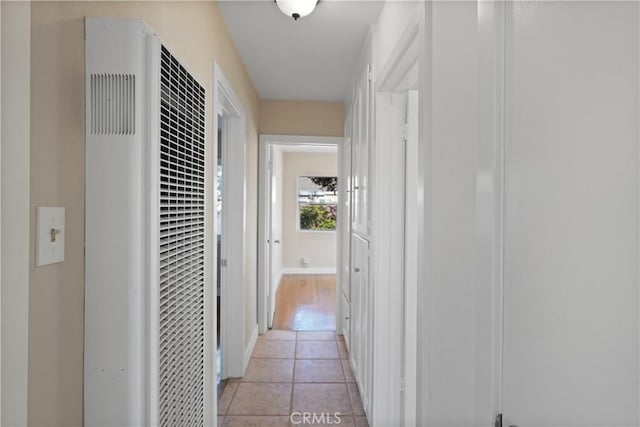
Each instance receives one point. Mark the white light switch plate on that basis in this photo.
(50, 235)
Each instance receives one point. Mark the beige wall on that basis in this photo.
(302, 118)
(196, 33)
(318, 246)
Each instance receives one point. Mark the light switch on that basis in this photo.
(50, 235)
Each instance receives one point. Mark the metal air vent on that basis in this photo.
(113, 102)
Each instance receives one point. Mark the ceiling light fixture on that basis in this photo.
(297, 8)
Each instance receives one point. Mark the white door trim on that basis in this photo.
(490, 205)
(1, 204)
(232, 315)
(265, 142)
(400, 74)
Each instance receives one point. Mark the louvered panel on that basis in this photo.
(182, 210)
(113, 102)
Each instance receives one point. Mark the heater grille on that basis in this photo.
(182, 217)
(113, 104)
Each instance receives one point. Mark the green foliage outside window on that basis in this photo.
(318, 217)
(317, 202)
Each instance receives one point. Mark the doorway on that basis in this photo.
(219, 260)
(297, 218)
(396, 224)
(227, 181)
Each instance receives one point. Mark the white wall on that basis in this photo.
(571, 214)
(319, 247)
(571, 240)
(448, 307)
(15, 154)
(392, 21)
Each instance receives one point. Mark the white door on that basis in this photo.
(344, 217)
(361, 339)
(571, 325)
(360, 150)
(275, 235)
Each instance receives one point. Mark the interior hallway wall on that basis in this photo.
(451, 371)
(570, 161)
(311, 118)
(392, 22)
(196, 33)
(15, 89)
(318, 246)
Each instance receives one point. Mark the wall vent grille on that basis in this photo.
(113, 104)
(182, 217)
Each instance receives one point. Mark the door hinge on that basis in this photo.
(223, 262)
(405, 136)
(370, 76)
(402, 385)
(498, 422)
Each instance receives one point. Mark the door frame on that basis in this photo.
(266, 141)
(490, 208)
(232, 307)
(399, 75)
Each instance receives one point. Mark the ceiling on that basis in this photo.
(311, 59)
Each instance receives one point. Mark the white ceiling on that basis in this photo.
(311, 59)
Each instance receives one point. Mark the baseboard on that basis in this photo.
(249, 349)
(316, 270)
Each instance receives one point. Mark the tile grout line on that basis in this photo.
(346, 384)
(293, 375)
(233, 396)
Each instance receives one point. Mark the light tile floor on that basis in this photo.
(293, 372)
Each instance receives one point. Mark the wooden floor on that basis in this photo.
(306, 303)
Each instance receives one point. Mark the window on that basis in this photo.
(317, 203)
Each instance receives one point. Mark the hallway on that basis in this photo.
(306, 303)
(292, 374)
(299, 368)
(484, 191)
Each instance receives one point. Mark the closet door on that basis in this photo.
(571, 326)
(361, 340)
(360, 161)
(344, 215)
(344, 239)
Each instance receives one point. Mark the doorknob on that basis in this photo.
(276, 241)
(356, 269)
